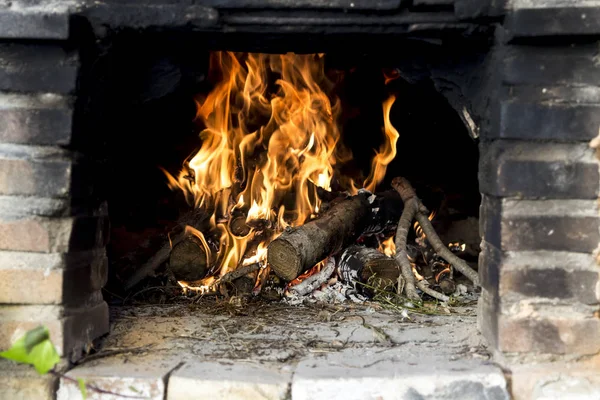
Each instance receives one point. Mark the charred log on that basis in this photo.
(358, 264)
(300, 248)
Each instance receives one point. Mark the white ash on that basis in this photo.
(337, 292)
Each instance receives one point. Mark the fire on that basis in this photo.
(270, 138)
(388, 247)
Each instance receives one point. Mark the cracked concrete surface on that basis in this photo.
(281, 352)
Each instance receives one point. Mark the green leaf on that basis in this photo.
(34, 348)
(82, 388)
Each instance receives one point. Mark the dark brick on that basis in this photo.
(535, 22)
(538, 170)
(556, 65)
(518, 225)
(560, 335)
(35, 22)
(555, 121)
(490, 259)
(555, 283)
(43, 119)
(487, 317)
(545, 274)
(37, 68)
(471, 9)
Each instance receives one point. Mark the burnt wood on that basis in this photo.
(298, 249)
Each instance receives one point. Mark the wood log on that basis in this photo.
(300, 248)
(369, 266)
(188, 260)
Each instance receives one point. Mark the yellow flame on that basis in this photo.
(388, 247)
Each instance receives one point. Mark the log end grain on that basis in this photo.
(284, 259)
(188, 261)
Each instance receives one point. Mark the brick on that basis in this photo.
(555, 275)
(30, 170)
(45, 20)
(553, 21)
(21, 382)
(550, 120)
(45, 171)
(487, 317)
(573, 65)
(533, 170)
(559, 225)
(44, 119)
(65, 278)
(71, 329)
(37, 68)
(52, 235)
(50, 207)
(559, 335)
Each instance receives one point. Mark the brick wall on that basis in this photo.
(539, 215)
(52, 235)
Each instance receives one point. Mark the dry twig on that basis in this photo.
(410, 209)
(407, 192)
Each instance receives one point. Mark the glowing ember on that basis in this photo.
(270, 140)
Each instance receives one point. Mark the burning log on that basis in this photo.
(315, 281)
(188, 260)
(300, 248)
(366, 265)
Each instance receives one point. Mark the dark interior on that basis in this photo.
(140, 109)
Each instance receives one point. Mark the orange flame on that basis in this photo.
(270, 140)
(387, 151)
(388, 247)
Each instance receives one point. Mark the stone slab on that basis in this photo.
(141, 376)
(230, 380)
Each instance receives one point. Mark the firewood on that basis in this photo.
(421, 215)
(359, 264)
(315, 281)
(300, 248)
(188, 260)
(238, 226)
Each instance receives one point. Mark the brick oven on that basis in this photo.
(521, 75)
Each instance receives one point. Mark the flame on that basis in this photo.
(417, 227)
(388, 247)
(270, 139)
(386, 152)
